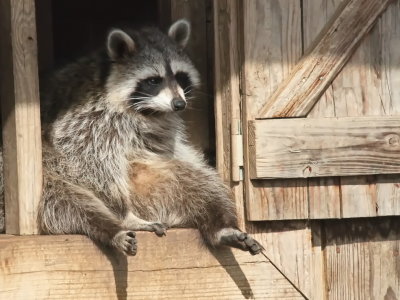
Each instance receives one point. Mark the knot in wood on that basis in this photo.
(393, 139)
(307, 171)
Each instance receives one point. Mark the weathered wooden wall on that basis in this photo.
(365, 86)
(324, 259)
(368, 85)
(266, 62)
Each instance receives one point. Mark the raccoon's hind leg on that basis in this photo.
(235, 238)
(69, 209)
(219, 227)
(210, 208)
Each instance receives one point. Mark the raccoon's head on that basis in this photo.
(149, 72)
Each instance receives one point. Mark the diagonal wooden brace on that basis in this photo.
(319, 66)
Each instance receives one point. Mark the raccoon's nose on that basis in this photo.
(178, 104)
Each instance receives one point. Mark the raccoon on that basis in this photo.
(115, 155)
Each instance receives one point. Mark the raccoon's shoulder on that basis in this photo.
(73, 83)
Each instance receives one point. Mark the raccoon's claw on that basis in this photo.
(125, 241)
(251, 244)
(159, 229)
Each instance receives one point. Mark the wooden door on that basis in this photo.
(322, 147)
(322, 124)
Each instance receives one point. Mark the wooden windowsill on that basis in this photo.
(176, 266)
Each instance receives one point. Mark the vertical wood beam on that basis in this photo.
(227, 106)
(19, 93)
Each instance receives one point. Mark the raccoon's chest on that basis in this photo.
(160, 143)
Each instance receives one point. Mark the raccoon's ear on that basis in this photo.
(180, 32)
(119, 44)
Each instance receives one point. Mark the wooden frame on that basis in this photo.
(19, 87)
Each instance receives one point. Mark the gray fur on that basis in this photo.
(110, 169)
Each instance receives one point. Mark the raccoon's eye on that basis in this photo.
(154, 80)
(183, 80)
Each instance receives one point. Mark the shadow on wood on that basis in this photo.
(230, 264)
(119, 264)
(177, 266)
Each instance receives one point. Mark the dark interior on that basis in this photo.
(79, 26)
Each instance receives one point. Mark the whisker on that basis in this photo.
(138, 98)
(145, 94)
(189, 86)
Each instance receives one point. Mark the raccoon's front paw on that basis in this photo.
(125, 241)
(251, 244)
(158, 228)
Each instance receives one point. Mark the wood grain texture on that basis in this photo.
(318, 266)
(362, 258)
(298, 93)
(367, 85)
(173, 267)
(373, 71)
(289, 246)
(324, 192)
(267, 61)
(324, 198)
(227, 93)
(290, 148)
(20, 115)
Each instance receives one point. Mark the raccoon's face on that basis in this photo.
(150, 73)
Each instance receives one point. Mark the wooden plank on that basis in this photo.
(267, 62)
(362, 258)
(358, 196)
(197, 114)
(324, 192)
(262, 71)
(177, 266)
(20, 115)
(227, 93)
(291, 148)
(289, 246)
(297, 94)
(318, 267)
(324, 197)
(367, 85)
